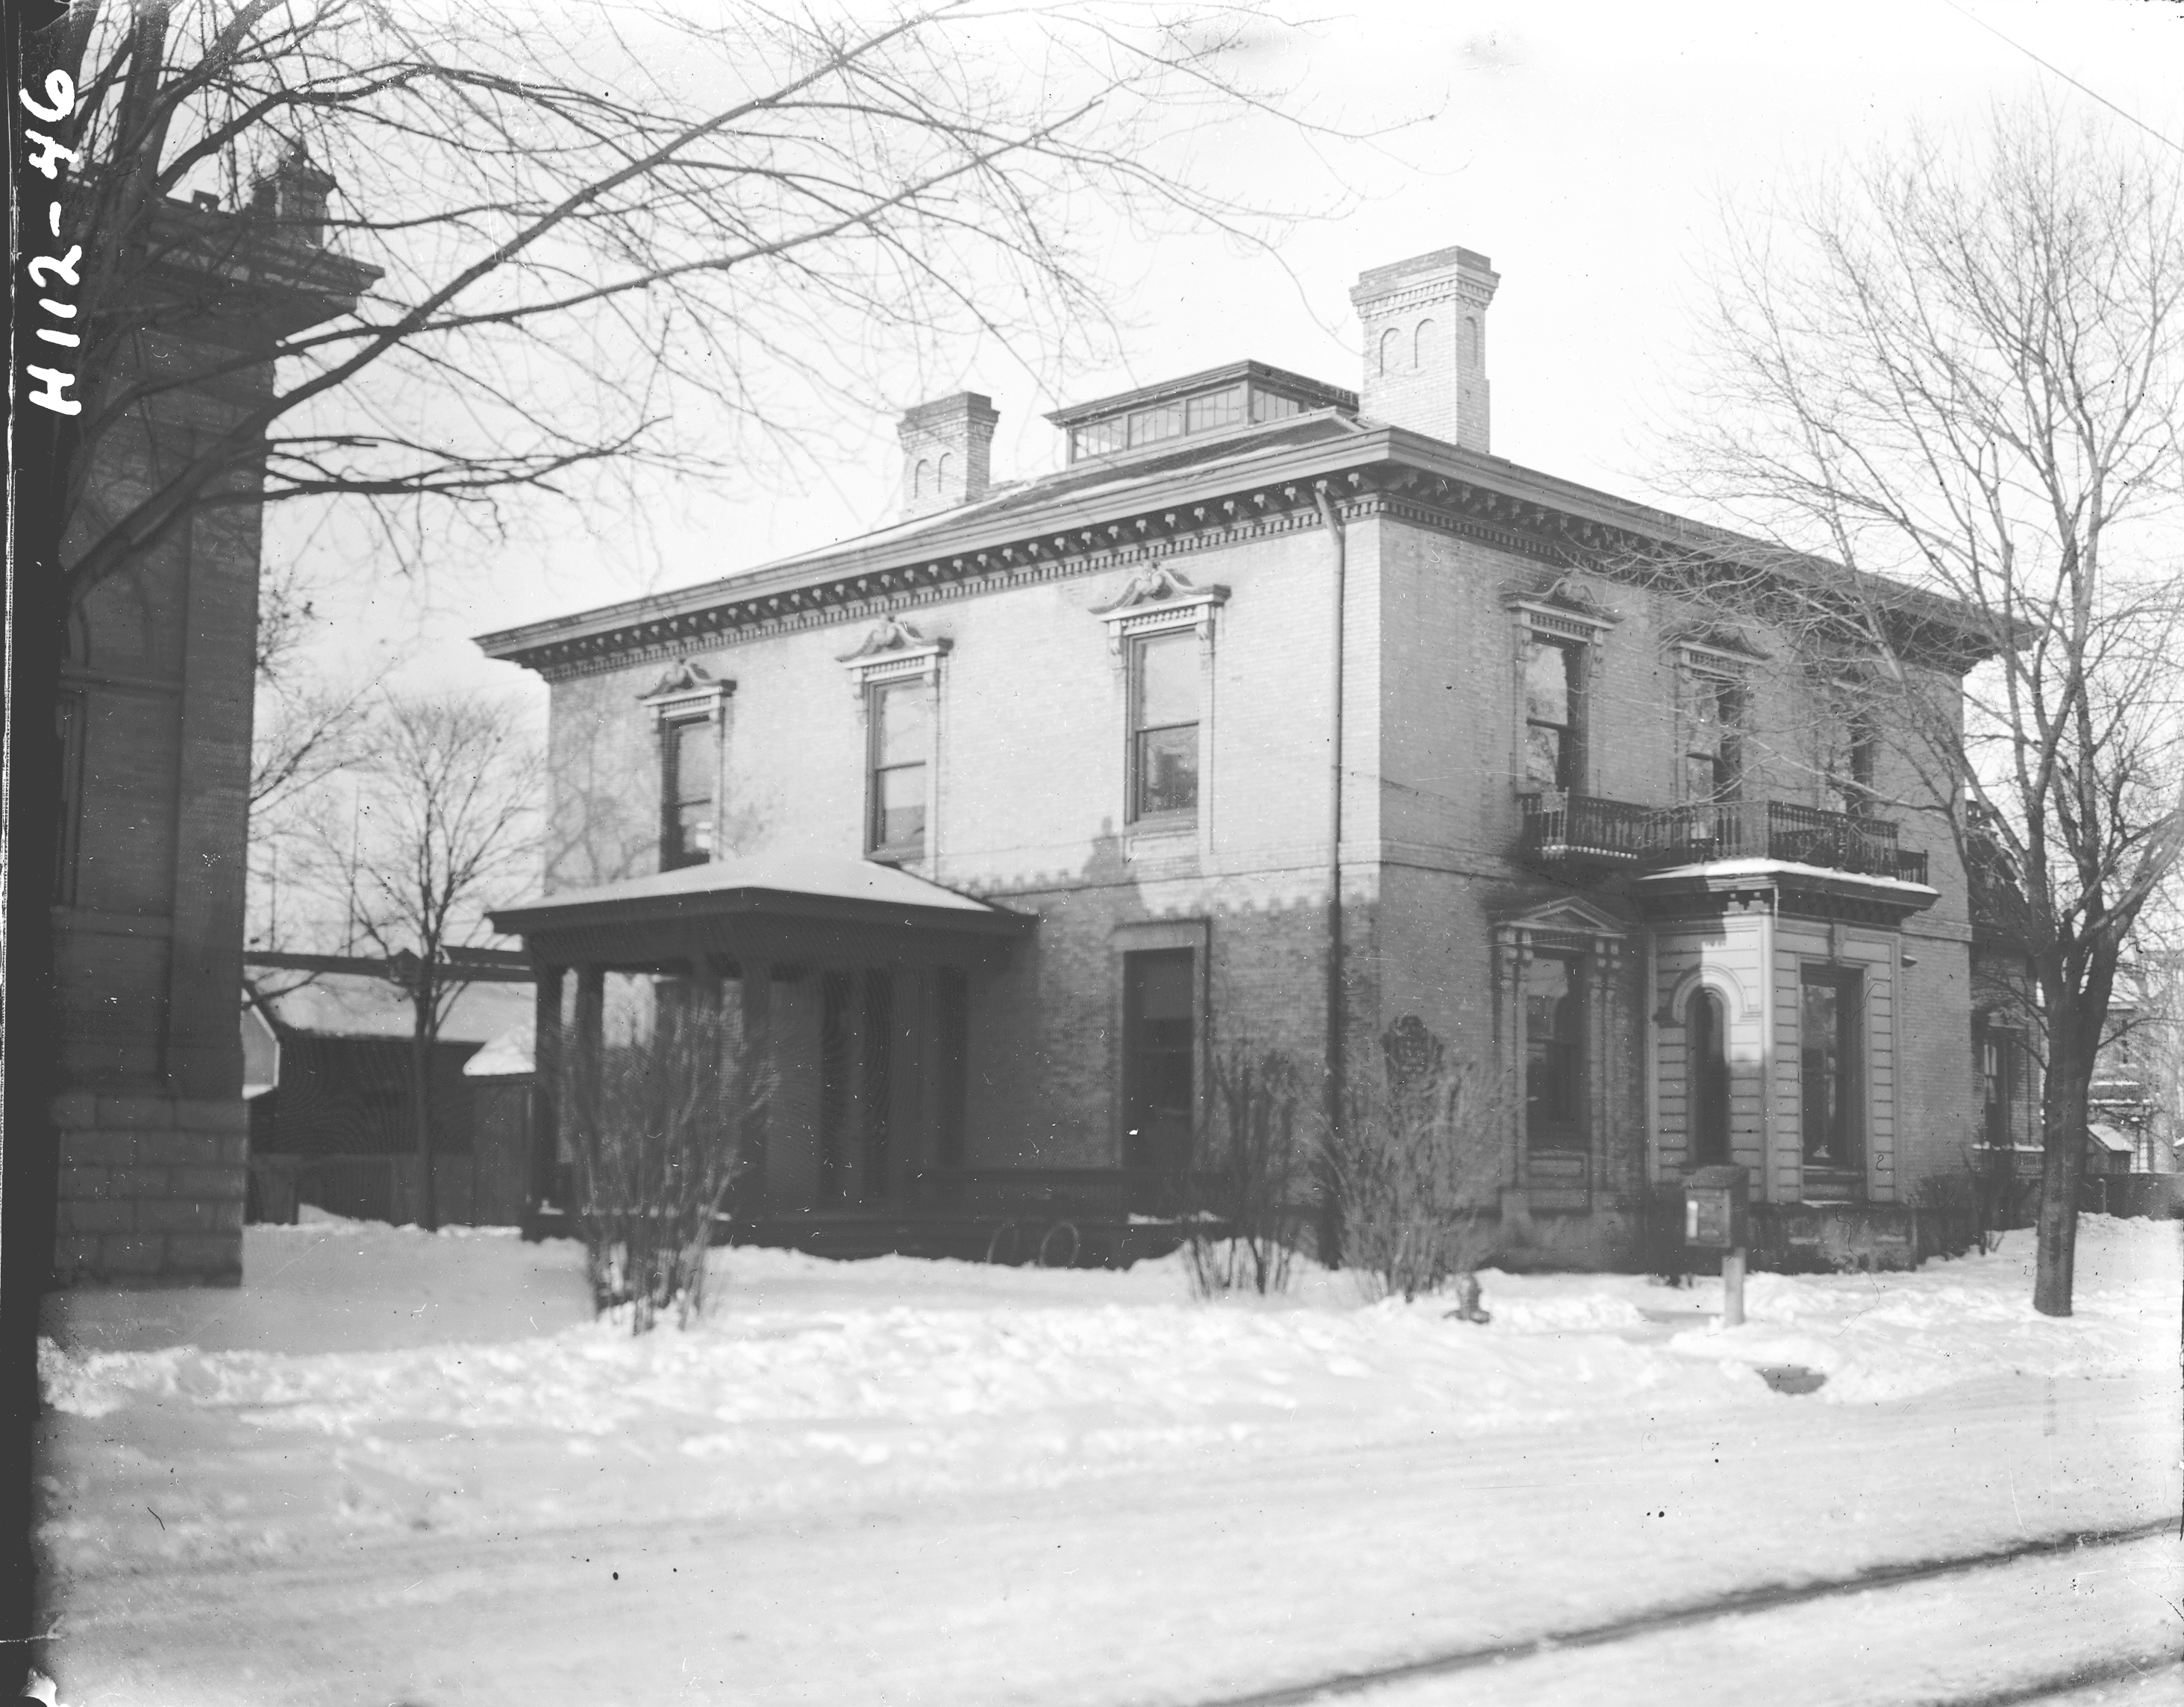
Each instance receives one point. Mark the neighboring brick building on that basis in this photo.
(155, 731)
(1005, 817)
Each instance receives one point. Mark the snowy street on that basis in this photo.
(934, 1483)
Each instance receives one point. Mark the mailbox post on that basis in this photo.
(1716, 1217)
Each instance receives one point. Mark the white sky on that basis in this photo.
(1583, 146)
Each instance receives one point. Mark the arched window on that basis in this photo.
(1390, 345)
(1707, 1033)
(1424, 345)
(1471, 339)
(921, 478)
(940, 474)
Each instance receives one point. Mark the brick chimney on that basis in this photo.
(292, 195)
(947, 452)
(1424, 322)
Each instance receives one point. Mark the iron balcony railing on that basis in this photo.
(1585, 829)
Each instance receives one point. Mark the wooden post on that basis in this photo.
(545, 1083)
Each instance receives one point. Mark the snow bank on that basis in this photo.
(1895, 1336)
(367, 1377)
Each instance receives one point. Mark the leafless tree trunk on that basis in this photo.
(447, 818)
(609, 240)
(1960, 373)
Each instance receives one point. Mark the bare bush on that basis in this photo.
(656, 1118)
(1240, 1196)
(1417, 1165)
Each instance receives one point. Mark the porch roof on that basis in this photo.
(814, 903)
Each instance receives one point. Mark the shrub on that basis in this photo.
(1416, 1166)
(1239, 1195)
(656, 1118)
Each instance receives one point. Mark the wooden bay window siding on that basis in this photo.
(690, 763)
(1164, 688)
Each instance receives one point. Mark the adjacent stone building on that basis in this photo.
(154, 726)
(1004, 819)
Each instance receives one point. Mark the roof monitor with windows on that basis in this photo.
(1241, 394)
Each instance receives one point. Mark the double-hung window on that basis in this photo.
(1554, 715)
(1554, 1054)
(1164, 712)
(689, 709)
(1831, 1072)
(895, 671)
(690, 766)
(1160, 631)
(1713, 744)
(1560, 638)
(899, 715)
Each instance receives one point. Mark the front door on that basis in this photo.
(1160, 1047)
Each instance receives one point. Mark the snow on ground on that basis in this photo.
(383, 1344)
(370, 1390)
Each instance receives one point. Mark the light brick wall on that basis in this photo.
(1031, 815)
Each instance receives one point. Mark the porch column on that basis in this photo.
(590, 1023)
(753, 1090)
(545, 1082)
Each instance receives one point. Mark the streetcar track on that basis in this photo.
(1763, 1598)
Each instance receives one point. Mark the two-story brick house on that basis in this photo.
(1004, 818)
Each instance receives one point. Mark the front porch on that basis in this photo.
(843, 987)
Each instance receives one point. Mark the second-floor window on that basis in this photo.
(1554, 716)
(690, 763)
(1164, 688)
(901, 731)
(1714, 747)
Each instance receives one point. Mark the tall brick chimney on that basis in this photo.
(1424, 322)
(947, 452)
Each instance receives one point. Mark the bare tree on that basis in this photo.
(307, 730)
(1961, 373)
(444, 830)
(614, 238)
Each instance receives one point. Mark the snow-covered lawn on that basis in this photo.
(260, 1467)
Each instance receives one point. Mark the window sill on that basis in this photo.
(909, 854)
(1162, 838)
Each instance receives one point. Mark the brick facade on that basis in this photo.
(1449, 563)
(155, 728)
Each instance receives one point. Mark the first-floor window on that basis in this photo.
(1707, 1033)
(1554, 1054)
(1164, 671)
(689, 767)
(901, 730)
(1159, 1057)
(1997, 1087)
(1830, 1071)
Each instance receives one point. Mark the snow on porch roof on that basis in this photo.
(809, 886)
(2109, 1139)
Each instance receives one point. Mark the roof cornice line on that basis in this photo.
(1123, 525)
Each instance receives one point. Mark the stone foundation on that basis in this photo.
(152, 1190)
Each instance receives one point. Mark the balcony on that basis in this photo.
(1573, 833)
